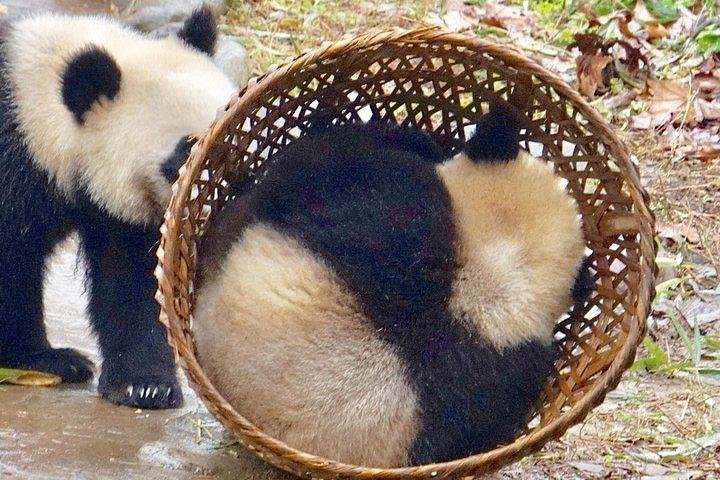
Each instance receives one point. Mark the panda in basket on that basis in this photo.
(95, 120)
(376, 303)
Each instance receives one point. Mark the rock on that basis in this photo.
(155, 14)
(167, 30)
(232, 58)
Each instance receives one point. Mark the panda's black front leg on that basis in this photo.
(138, 368)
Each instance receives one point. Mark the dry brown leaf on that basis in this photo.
(677, 232)
(621, 100)
(508, 18)
(460, 16)
(704, 110)
(683, 25)
(668, 102)
(642, 14)
(708, 153)
(707, 85)
(590, 73)
(656, 31)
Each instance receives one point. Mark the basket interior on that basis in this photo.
(443, 88)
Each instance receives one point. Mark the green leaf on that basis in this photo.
(605, 7)
(692, 346)
(708, 40)
(656, 358)
(666, 262)
(713, 343)
(684, 450)
(667, 287)
(665, 11)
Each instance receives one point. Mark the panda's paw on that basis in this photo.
(66, 363)
(147, 392)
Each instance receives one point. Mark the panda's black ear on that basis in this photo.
(200, 30)
(89, 75)
(497, 138)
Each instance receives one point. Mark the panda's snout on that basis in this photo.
(176, 159)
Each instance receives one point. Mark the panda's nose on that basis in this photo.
(176, 159)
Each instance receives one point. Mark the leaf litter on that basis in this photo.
(652, 68)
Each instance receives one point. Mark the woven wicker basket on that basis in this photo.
(438, 81)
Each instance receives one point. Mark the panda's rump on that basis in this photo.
(288, 345)
(519, 247)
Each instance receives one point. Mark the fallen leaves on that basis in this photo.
(590, 70)
(508, 18)
(459, 16)
(670, 102)
(601, 60)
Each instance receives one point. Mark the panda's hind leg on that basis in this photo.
(138, 368)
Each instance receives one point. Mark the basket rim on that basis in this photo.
(263, 444)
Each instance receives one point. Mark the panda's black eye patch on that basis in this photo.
(172, 164)
(89, 75)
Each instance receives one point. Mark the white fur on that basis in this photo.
(286, 343)
(168, 91)
(520, 246)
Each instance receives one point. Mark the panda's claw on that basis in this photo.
(153, 392)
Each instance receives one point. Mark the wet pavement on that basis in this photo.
(69, 432)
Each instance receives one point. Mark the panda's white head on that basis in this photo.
(110, 112)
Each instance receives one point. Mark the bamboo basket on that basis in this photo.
(442, 82)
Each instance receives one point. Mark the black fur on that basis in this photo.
(122, 310)
(34, 218)
(89, 75)
(172, 164)
(366, 199)
(584, 283)
(497, 138)
(200, 30)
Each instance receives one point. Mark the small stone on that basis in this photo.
(232, 58)
(155, 14)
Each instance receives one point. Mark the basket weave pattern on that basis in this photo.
(442, 82)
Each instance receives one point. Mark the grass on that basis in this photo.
(275, 30)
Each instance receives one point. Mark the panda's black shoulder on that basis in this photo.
(376, 134)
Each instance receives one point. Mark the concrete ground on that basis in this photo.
(68, 432)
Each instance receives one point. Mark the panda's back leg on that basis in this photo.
(30, 230)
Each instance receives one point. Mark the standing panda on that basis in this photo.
(373, 302)
(95, 120)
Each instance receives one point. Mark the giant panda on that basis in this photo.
(377, 303)
(95, 120)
